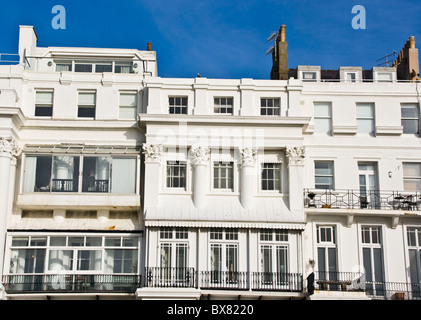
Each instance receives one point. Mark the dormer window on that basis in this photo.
(384, 74)
(351, 77)
(97, 67)
(309, 76)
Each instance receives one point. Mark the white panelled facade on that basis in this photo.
(124, 184)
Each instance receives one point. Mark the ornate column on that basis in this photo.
(199, 159)
(296, 156)
(247, 182)
(153, 156)
(8, 150)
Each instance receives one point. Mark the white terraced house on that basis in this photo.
(117, 183)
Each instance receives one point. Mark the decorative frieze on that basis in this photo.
(153, 152)
(248, 156)
(295, 155)
(199, 155)
(11, 147)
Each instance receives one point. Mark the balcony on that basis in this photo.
(223, 280)
(75, 283)
(353, 281)
(170, 277)
(355, 199)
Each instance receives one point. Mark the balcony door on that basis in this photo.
(367, 173)
(173, 263)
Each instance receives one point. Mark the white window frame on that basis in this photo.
(220, 168)
(416, 119)
(324, 117)
(179, 164)
(332, 164)
(277, 168)
(275, 110)
(180, 106)
(128, 107)
(372, 118)
(87, 106)
(219, 106)
(411, 178)
(44, 105)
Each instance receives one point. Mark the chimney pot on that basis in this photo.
(149, 46)
(282, 33)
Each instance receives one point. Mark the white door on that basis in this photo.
(369, 193)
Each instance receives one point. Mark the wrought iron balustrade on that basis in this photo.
(56, 283)
(356, 199)
(170, 277)
(278, 281)
(224, 280)
(355, 281)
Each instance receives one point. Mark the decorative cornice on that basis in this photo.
(248, 156)
(199, 154)
(11, 147)
(153, 152)
(295, 155)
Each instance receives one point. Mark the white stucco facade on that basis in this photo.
(205, 188)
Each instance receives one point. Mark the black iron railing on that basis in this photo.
(97, 185)
(356, 199)
(35, 283)
(224, 280)
(277, 281)
(355, 281)
(170, 277)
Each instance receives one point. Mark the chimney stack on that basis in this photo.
(280, 57)
(407, 64)
(149, 46)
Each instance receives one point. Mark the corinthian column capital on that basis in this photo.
(153, 152)
(248, 156)
(295, 155)
(199, 154)
(10, 146)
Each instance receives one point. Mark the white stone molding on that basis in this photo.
(295, 155)
(11, 147)
(153, 152)
(200, 155)
(248, 156)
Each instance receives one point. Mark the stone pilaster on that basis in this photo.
(199, 159)
(296, 156)
(153, 156)
(248, 162)
(9, 149)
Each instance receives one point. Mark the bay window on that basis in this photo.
(61, 173)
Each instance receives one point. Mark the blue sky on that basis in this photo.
(222, 39)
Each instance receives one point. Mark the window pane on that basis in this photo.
(412, 170)
(60, 260)
(86, 98)
(83, 67)
(123, 179)
(322, 110)
(37, 174)
(365, 126)
(103, 68)
(44, 97)
(57, 241)
(365, 111)
(65, 174)
(89, 260)
(322, 125)
(96, 171)
(128, 99)
(410, 126)
(41, 111)
(323, 168)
